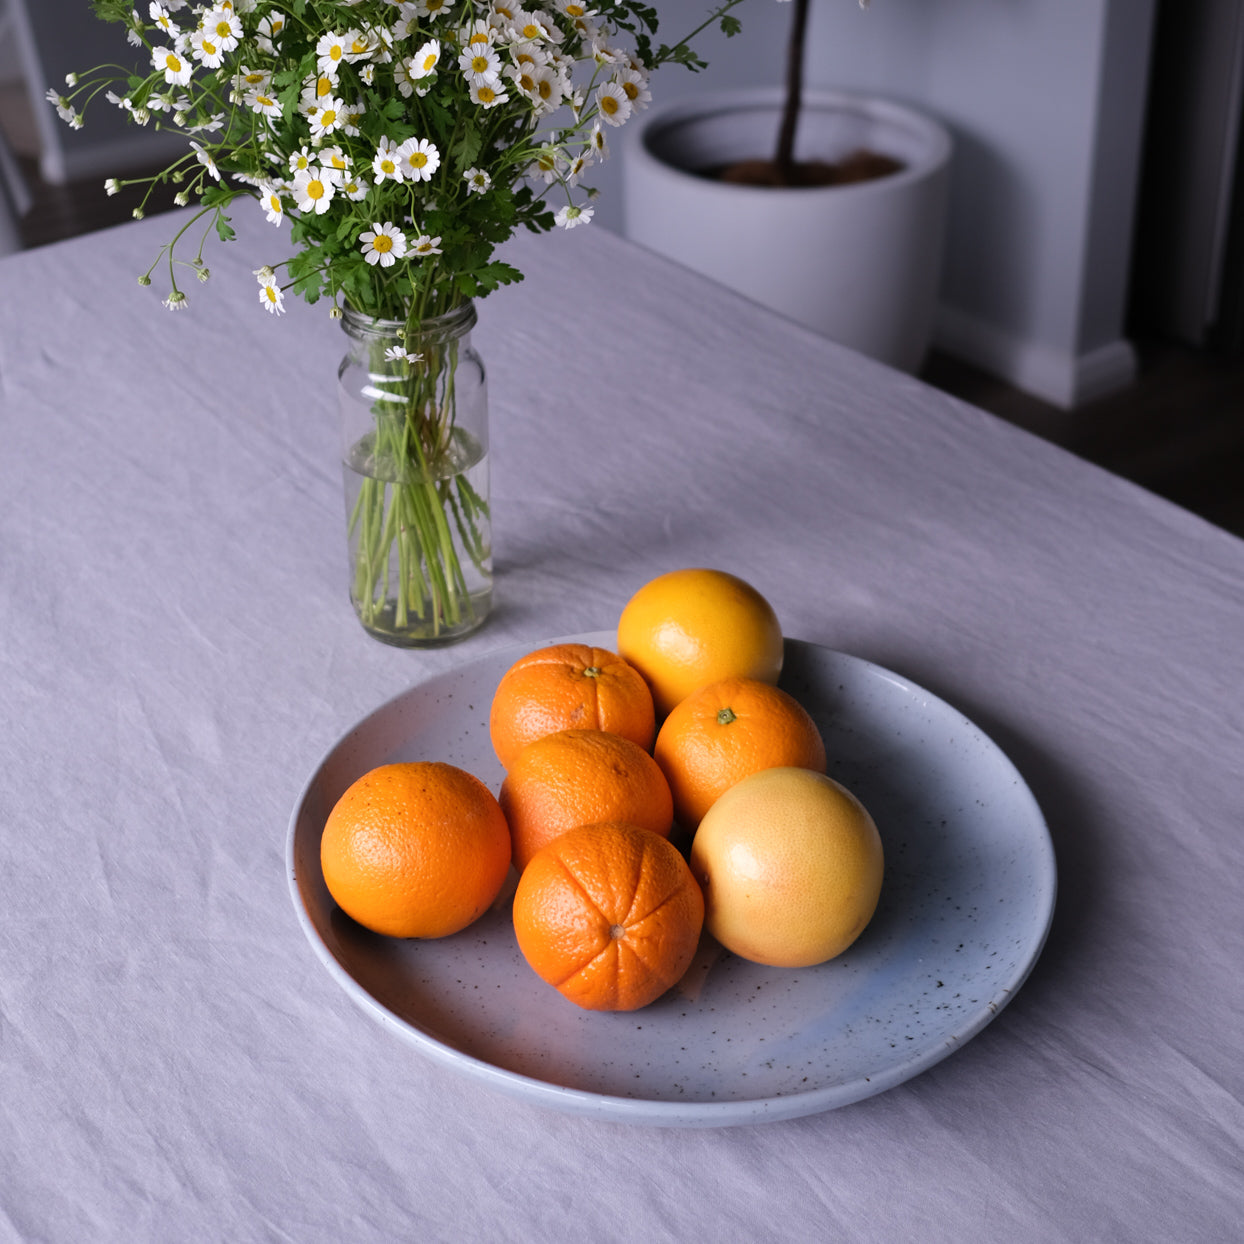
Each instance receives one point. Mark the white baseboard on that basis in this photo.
(1060, 377)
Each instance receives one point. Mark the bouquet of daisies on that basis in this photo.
(402, 141)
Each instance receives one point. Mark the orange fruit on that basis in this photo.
(791, 866)
(569, 687)
(688, 628)
(580, 777)
(609, 915)
(415, 850)
(723, 732)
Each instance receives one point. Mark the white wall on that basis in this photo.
(1045, 100)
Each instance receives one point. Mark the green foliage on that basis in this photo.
(450, 224)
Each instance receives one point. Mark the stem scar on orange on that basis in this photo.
(569, 687)
(609, 915)
(726, 731)
(688, 628)
(579, 777)
(415, 850)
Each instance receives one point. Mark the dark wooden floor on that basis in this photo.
(1178, 431)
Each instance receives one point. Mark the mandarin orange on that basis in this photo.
(415, 850)
(609, 915)
(726, 731)
(569, 687)
(579, 777)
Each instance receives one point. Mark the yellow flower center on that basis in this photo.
(328, 117)
(630, 90)
(382, 242)
(387, 166)
(209, 47)
(608, 104)
(315, 190)
(418, 160)
(486, 95)
(335, 52)
(429, 62)
(173, 63)
(479, 64)
(223, 29)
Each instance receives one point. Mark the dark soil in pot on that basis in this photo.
(858, 166)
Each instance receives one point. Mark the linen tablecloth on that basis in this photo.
(177, 652)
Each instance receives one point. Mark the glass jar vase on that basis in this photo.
(414, 417)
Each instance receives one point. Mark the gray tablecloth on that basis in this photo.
(177, 653)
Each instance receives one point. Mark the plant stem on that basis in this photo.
(784, 159)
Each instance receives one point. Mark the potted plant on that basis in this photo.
(827, 206)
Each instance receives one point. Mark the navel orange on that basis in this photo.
(791, 866)
(726, 731)
(688, 628)
(579, 777)
(415, 850)
(569, 687)
(609, 915)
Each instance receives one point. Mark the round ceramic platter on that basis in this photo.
(966, 903)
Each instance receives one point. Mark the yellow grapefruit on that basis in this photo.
(791, 864)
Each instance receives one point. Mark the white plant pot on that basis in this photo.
(859, 263)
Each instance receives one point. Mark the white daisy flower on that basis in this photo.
(224, 26)
(635, 85)
(265, 105)
(570, 216)
(395, 354)
(418, 159)
(64, 109)
(247, 79)
(204, 157)
(388, 161)
(270, 201)
(425, 59)
(546, 164)
(406, 78)
(355, 188)
(488, 96)
(367, 75)
(407, 25)
(313, 190)
(206, 50)
(272, 298)
(548, 89)
(350, 117)
(577, 167)
(176, 301)
(160, 17)
(424, 245)
(530, 28)
(477, 180)
(576, 11)
(303, 158)
(333, 159)
(176, 69)
(383, 244)
(433, 8)
(326, 118)
(359, 45)
(478, 34)
(480, 65)
(268, 32)
(112, 186)
(612, 103)
(330, 51)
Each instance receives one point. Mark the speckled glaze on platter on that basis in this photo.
(965, 908)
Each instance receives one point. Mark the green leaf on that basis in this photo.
(224, 230)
